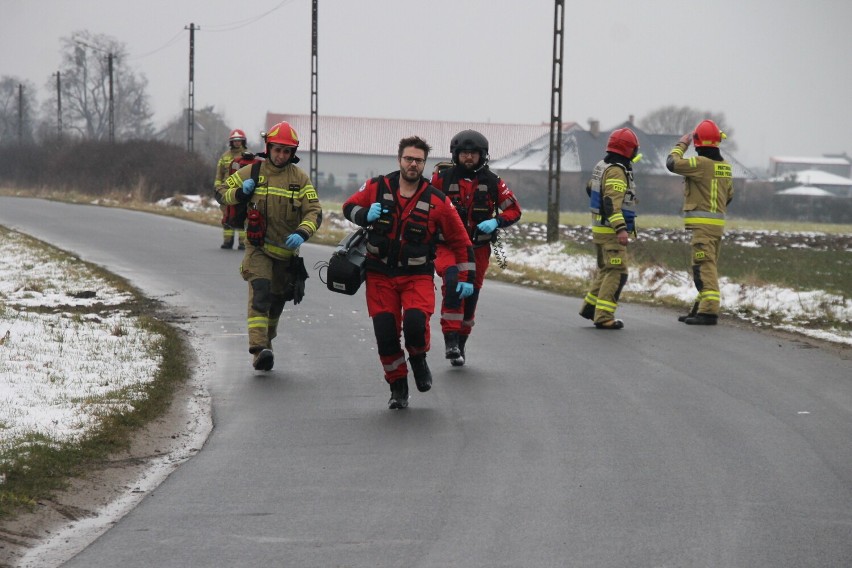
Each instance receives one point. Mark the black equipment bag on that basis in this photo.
(346, 269)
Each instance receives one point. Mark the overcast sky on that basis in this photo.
(780, 70)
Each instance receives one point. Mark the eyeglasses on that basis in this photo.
(412, 160)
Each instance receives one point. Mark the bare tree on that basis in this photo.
(17, 114)
(672, 119)
(85, 90)
(211, 137)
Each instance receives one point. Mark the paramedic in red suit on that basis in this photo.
(485, 204)
(405, 214)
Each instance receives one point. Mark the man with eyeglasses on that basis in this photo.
(485, 204)
(405, 214)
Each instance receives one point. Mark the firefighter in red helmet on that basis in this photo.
(612, 200)
(405, 214)
(485, 204)
(708, 189)
(283, 212)
(231, 160)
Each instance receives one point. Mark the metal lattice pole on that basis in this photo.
(314, 97)
(555, 160)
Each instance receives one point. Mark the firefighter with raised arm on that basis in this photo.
(612, 200)
(283, 212)
(405, 214)
(485, 204)
(708, 189)
(231, 160)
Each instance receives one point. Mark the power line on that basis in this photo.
(230, 26)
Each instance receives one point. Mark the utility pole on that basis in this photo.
(554, 166)
(110, 58)
(190, 109)
(20, 113)
(314, 95)
(58, 105)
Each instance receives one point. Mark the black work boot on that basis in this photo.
(451, 345)
(264, 360)
(702, 319)
(228, 244)
(610, 324)
(399, 394)
(422, 374)
(459, 361)
(691, 313)
(588, 311)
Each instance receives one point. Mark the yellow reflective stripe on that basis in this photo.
(714, 195)
(280, 251)
(615, 217)
(693, 161)
(310, 225)
(607, 230)
(277, 192)
(605, 306)
(591, 299)
(258, 321)
(615, 185)
(710, 295)
(677, 150)
(703, 221)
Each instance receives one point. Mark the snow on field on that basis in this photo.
(66, 346)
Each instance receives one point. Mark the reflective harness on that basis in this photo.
(600, 218)
(482, 206)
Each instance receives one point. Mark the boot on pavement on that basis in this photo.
(399, 394)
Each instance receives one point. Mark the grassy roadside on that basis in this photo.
(35, 464)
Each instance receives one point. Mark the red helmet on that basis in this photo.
(282, 133)
(623, 142)
(237, 134)
(707, 134)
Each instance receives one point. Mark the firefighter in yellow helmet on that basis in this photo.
(708, 189)
(612, 200)
(283, 212)
(228, 163)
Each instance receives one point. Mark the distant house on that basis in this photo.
(836, 185)
(351, 150)
(839, 164)
(660, 191)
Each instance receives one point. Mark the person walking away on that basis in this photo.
(612, 200)
(708, 190)
(283, 212)
(230, 161)
(485, 204)
(405, 214)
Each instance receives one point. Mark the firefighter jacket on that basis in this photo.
(478, 198)
(285, 198)
(708, 187)
(223, 166)
(403, 241)
(612, 198)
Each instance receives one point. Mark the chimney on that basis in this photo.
(594, 127)
(630, 119)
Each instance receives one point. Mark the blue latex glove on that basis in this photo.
(248, 187)
(294, 241)
(487, 226)
(464, 289)
(375, 212)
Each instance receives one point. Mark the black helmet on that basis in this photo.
(470, 140)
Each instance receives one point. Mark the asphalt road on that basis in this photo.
(661, 445)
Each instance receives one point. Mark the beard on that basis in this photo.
(410, 175)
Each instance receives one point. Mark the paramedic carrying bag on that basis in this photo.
(346, 267)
